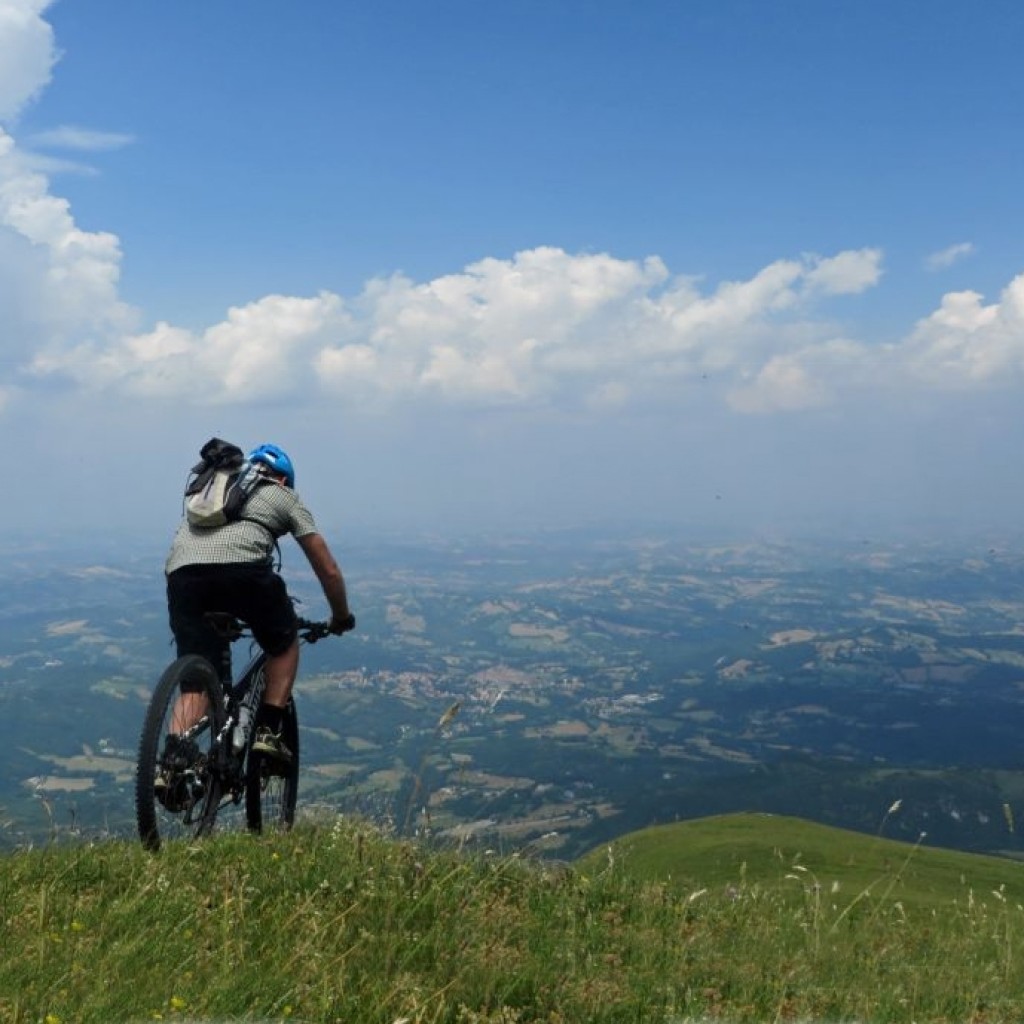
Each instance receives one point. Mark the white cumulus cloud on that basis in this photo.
(965, 342)
(585, 330)
(77, 287)
(58, 283)
(847, 273)
(805, 378)
(266, 348)
(548, 322)
(502, 329)
(27, 54)
(783, 383)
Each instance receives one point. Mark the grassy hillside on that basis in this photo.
(719, 919)
(776, 852)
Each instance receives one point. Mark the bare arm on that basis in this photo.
(328, 572)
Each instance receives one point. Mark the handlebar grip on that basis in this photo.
(311, 631)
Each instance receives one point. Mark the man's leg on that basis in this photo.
(178, 754)
(188, 709)
(187, 599)
(272, 616)
(281, 671)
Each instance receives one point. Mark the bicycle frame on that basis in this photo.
(242, 700)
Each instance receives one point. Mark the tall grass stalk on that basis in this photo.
(340, 923)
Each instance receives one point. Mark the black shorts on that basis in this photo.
(253, 593)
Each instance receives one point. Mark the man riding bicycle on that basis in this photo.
(230, 569)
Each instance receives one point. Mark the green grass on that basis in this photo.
(743, 918)
(791, 854)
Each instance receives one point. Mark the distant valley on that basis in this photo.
(553, 692)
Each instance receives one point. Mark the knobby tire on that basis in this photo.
(270, 792)
(156, 822)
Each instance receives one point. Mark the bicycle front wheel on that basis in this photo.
(271, 788)
(177, 789)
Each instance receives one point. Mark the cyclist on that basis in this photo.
(230, 568)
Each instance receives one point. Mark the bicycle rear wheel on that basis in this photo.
(177, 790)
(271, 789)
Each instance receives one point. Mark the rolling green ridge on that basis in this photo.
(732, 918)
(773, 851)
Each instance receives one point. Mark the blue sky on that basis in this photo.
(738, 265)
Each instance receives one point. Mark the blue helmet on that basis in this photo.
(272, 456)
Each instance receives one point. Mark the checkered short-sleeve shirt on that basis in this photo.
(277, 510)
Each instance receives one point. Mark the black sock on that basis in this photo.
(273, 717)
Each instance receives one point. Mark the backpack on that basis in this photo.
(219, 485)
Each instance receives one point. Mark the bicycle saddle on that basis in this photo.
(225, 624)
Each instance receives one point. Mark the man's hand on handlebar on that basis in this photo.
(342, 625)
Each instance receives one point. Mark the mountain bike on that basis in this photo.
(191, 771)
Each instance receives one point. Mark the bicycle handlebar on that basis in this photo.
(232, 628)
(312, 631)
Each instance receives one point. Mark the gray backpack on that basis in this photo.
(219, 485)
